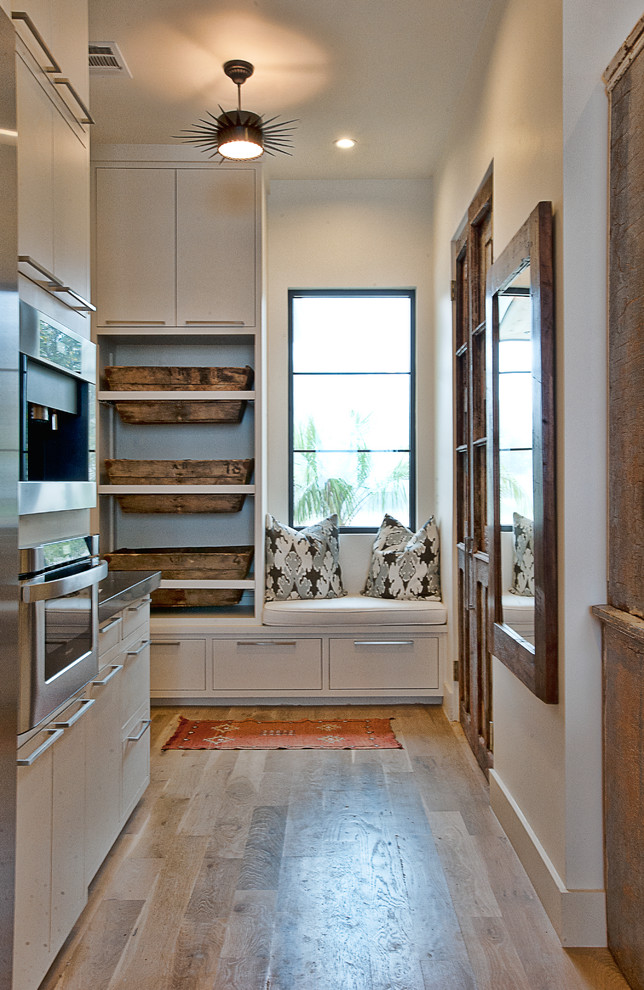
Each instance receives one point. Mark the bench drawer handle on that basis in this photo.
(384, 642)
(267, 642)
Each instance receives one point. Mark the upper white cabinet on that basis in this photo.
(176, 246)
(216, 247)
(135, 252)
(53, 157)
(56, 34)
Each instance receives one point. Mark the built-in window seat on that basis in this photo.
(371, 646)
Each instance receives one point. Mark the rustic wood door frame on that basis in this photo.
(471, 258)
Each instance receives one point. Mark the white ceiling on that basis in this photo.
(386, 72)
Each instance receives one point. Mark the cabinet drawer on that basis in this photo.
(357, 664)
(135, 615)
(136, 760)
(109, 634)
(135, 682)
(264, 664)
(178, 665)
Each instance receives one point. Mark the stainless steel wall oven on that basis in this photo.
(58, 631)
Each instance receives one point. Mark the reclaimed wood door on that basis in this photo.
(472, 256)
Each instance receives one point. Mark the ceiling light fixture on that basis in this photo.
(240, 135)
(345, 142)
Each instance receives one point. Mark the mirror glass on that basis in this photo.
(522, 530)
(515, 490)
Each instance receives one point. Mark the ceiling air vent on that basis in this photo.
(105, 58)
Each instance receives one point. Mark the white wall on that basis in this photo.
(546, 133)
(347, 234)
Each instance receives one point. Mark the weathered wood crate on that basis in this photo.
(125, 471)
(142, 378)
(190, 564)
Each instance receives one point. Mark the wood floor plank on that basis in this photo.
(261, 864)
(464, 867)
(245, 954)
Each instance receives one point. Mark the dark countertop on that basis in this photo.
(120, 588)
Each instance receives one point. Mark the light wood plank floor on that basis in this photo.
(319, 870)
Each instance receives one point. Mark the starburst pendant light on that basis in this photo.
(240, 135)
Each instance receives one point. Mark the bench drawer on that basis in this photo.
(265, 665)
(357, 664)
(178, 665)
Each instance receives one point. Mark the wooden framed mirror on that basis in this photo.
(522, 534)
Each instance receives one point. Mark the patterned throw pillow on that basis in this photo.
(522, 556)
(303, 563)
(403, 564)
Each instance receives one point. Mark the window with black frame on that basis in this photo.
(351, 406)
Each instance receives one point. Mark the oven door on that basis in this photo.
(58, 640)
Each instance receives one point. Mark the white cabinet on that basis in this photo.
(55, 32)
(50, 864)
(176, 246)
(216, 247)
(53, 186)
(268, 665)
(372, 662)
(178, 666)
(103, 765)
(135, 246)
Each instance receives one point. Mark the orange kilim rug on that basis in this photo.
(367, 733)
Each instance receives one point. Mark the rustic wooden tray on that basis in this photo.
(125, 471)
(142, 378)
(191, 564)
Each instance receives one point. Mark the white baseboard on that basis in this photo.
(578, 916)
(450, 700)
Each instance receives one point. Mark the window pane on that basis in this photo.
(351, 333)
(336, 412)
(360, 487)
(515, 470)
(515, 410)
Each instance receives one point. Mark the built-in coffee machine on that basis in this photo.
(58, 417)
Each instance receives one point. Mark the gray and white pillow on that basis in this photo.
(302, 563)
(522, 556)
(404, 565)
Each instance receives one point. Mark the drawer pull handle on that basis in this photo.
(110, 625)
(267, 642)
(145, 725)
(85, 705)
(135, 323)
(383, 642)
(215, 323)
(135, 653)
(22, 15)
(167, 642)
(87, 119)
(53, 734)
(114, 669)
(137, 608)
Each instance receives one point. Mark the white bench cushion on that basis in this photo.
(518, 609)
(354, 610)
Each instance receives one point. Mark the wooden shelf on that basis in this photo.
(245, 583)
(183, 396)
(176, 489)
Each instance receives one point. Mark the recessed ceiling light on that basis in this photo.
(345, 142)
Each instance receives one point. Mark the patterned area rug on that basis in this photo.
(368, 733)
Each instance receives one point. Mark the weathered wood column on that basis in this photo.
(623, 617)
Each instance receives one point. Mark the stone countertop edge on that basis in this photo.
(120, 588)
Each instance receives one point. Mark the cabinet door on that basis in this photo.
(135, 687)
(33, 867)
(69, 39)
(35, 185)
(71, 207)
(103, 767)
(135, 246)
(68, 888)
(216, 257)
(136, 760)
